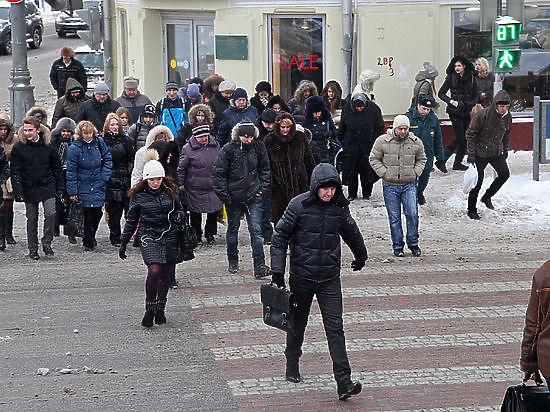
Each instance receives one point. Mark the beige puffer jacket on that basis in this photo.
(396, 160)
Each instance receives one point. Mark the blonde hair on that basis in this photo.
(111, 116)
(84, 126)
(484, 64)
(286, 122)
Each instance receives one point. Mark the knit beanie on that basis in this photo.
(201, 129)
(239, 93)
(246, 128)
(148, 110)
(401, 120)
(153, 168)
(101, 87)
(227, 85)
(193, 90)
(171, 85)
(263, 86)
(269, 115)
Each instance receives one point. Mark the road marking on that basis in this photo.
(356, 345)
(375, 379)
(380, 270)
(374, 291)
(235, 326)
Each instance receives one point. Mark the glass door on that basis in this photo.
(189, 49)
(296, 52)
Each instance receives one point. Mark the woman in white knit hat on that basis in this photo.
(154, 203)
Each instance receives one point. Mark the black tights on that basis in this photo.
(158, 281)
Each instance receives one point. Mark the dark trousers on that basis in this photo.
(92, 216)
(329, 297)
(460, 125)
(114, 210)
(267, 229)
(503, 173)
(32, 223)
(210, 228)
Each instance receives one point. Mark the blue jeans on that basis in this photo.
(394, 197)
(253, 212)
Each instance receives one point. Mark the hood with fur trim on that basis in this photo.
(64, 123)
(302, 87)
(6, 121)
(469, 67)
(211, 80)
(157, 130)
(202, 108)
(46, 135)
(38, 109)
(235, 132)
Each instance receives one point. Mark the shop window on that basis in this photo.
(296, 45)
(533, 78)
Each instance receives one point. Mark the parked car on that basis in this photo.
(92, 60)
(35, 26)
(68, 22)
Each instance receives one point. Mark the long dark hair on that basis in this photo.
(168, 185)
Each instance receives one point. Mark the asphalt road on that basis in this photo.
(39, 62)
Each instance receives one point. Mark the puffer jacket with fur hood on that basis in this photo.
(7, 144)
(297, 105)
(185, 133)
(241, 171)
(39, 109)
(35, 168)
(397, 160)
(59, 143)
(139, 162)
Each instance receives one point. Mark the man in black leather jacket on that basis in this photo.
(312, 225)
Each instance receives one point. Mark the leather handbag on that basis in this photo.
(523, 398)
(75, 220)
(279, 307)
(188, 240)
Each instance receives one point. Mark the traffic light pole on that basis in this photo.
(21, 90)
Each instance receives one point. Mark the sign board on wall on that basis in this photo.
(232, 47)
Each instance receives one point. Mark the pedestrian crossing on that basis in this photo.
(427, 339)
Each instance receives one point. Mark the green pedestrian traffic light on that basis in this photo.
(508, 59)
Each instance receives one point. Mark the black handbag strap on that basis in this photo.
(537, 379)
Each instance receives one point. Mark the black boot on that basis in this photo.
(487, 201)
(348, 388)
(160, 318)
(8, 225)
(2, 233)
(293, 371)
(147, 321)
(457, 165)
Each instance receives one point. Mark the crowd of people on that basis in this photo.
(207, 148)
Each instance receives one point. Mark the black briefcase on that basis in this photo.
(279, 307)
(523, 398)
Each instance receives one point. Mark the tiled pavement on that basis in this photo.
(421, 336)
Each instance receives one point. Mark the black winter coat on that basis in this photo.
(59, 73)
(357, 132)
(312, 228)
(36, 173)
(158, 236)
(122, 154)
(96, 112)
(218, 104)
(321, 131)
(240, 171)
(462, 90)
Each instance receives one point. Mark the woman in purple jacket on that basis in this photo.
(195, 179)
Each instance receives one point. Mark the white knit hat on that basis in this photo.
(153, 168)
(401, 120)
(227, 85)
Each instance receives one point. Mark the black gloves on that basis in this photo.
(505, 153)
(471, 159)
(357, 264)
(278, 279)
(122, 252)
(19, 198)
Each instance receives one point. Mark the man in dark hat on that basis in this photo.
(487, 140)
(63, 68)
(311, 227)
(240, 180)
(425, 125)
(131, 98)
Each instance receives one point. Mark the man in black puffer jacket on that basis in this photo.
(98, 107)
(240, 176)
(312, 225)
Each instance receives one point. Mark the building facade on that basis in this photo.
(286, 41)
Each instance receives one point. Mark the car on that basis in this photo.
(92, 60)
(68, 22)
(35, 26)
